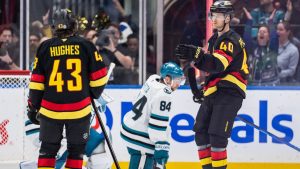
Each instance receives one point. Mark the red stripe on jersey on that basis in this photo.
(98, 74)
(212, 83)
(71, 163)
(204, 153)
(218, 155)
(239, 77)
(46, 162)
(66, 107)
(37, 78)
(228, 57)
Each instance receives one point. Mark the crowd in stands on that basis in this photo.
(271, 32)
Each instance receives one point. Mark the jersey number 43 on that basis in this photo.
(57, 80)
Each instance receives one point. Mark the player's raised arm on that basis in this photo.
(217, 61)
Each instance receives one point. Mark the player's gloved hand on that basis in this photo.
(198, 97)
(161, 154)
(32, 113)
(184, 51)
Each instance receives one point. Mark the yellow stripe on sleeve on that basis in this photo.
(222, 59)
(99, 82)
(36, 86)
(210, 90)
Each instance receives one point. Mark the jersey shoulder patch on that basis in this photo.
(167, 90)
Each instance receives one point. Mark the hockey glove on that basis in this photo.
(161, 154)
(198, 94)
(184, 51)
(32, 113)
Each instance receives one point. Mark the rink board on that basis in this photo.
(278, 111)
(195, 165)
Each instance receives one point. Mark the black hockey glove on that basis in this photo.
(184, 51)
(198, 94)
(32, 113)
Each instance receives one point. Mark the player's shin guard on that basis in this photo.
(47, 155)
(204, 153)
(75, 157)
(219, 158)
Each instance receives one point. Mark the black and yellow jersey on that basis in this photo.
(226, 63)
(66, 74)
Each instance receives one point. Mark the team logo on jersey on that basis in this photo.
(167, 90)
(85, 136)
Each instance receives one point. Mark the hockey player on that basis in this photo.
(145, 127)
(225, 86)
(97, 158)
(67, 72)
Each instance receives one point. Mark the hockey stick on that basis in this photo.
(111, 67)
(195, 91)
(106, 136)
(268, 133)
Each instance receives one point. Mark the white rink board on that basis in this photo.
(279, 102)
(278, 109)
(11, 124)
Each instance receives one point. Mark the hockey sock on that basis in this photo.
(219, 158)
(46, 163)
(74, 164)
(204, 153)
(47, 155)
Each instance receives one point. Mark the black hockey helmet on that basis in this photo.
(222, 7)
(63, 19)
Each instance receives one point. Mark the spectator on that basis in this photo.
(292, 16)
(6, 38)
(114, 9)
(34, 42)
(113, 52)
(238, 12)
(133, 47)
(90, 35)
(120, 54)
(262, 61)
(265, 14)
(288, 54)
(6, 35)
(125, 32)
(6, 63)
